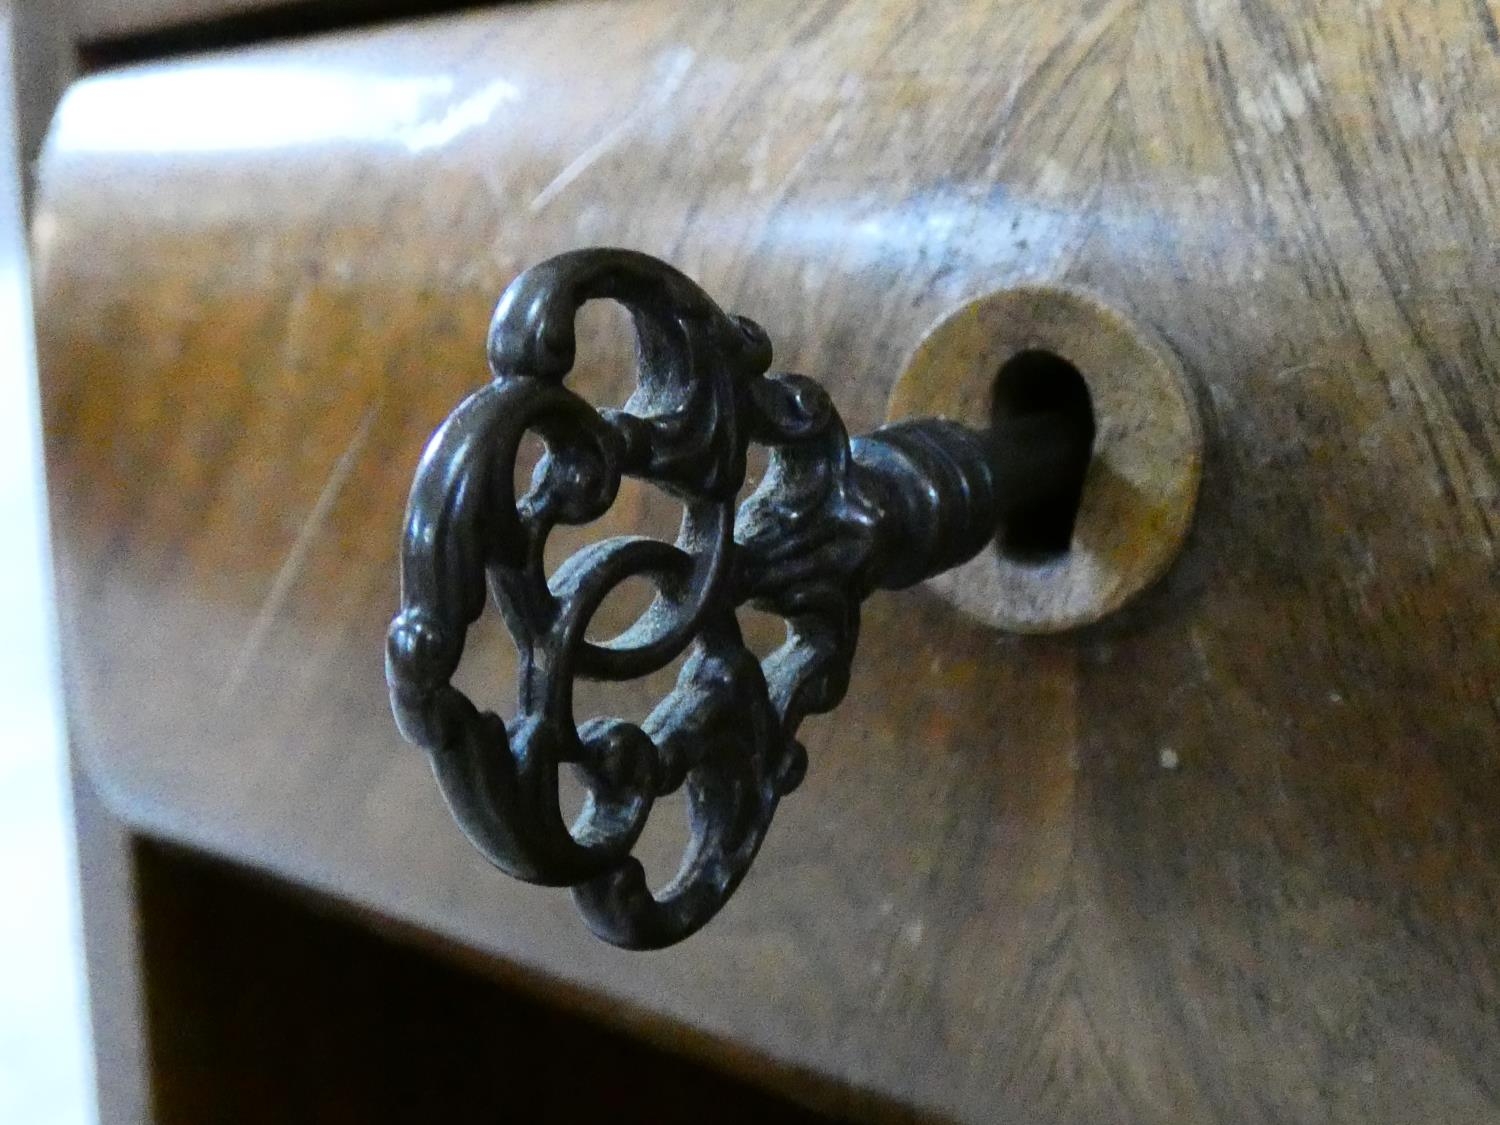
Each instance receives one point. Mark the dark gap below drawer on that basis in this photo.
(264, 1006)
(279, 21)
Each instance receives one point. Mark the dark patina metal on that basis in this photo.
(832, 521)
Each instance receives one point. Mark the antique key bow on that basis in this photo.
(832, 521)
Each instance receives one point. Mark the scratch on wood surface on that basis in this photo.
(1283, 99)
(675, 71)
(296, 557)
(1284, 374)
(1487, 24)
(830, 130)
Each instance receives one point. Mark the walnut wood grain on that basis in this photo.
(991, 900)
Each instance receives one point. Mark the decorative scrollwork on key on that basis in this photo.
(829, 523)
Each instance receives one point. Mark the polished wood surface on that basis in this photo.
(1232, 856)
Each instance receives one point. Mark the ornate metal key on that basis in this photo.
(832, 521)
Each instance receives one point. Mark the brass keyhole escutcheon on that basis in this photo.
(1029, 352)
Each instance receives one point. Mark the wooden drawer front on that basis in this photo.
(266, 277)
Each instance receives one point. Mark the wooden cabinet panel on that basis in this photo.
(266, 277)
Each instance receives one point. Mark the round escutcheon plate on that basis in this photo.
(1142, 484)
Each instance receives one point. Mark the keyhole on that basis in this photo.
(1043, 417)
